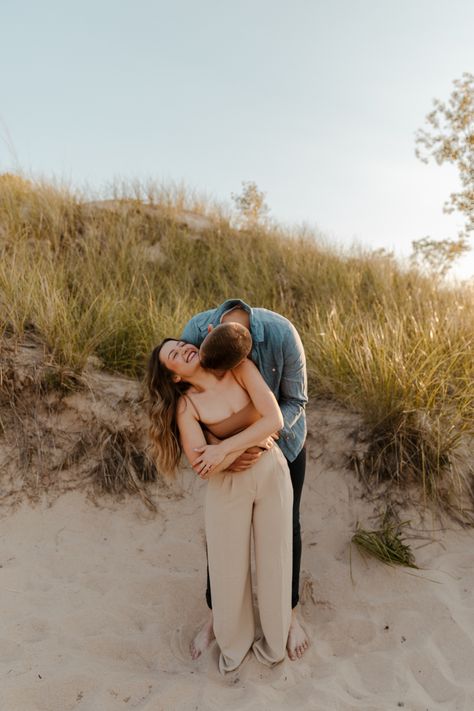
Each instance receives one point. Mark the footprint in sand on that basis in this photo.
(432, 676)
(51, 694)
(10, 651)
(346, 637)
(118, 649)
(33, 629)
(457, 650)
(376, 672)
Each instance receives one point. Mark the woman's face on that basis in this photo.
(180, 357)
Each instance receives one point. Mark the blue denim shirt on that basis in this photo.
(278, 353)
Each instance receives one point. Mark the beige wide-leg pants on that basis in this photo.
(262, 497)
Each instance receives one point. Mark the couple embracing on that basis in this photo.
(231, 395)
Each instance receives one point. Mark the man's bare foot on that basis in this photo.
(298, 642)
(203, 638)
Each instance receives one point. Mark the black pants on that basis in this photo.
(297, 472)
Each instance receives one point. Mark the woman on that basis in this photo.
(237, 407)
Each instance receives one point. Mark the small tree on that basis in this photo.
(439, 255)
(250, 205)
(451, 140)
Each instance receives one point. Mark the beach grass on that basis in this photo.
(385, 542)
(109, 276)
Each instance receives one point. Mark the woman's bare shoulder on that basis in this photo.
(186, 406)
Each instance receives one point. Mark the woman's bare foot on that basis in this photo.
(203, 638)
(298, 642)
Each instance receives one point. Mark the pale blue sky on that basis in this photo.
(318, 102)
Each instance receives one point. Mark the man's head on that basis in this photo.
(225, 346)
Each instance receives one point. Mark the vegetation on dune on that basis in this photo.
(385, 542)
(449, 138)
(111, 278)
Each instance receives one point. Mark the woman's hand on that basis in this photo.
(211, 455)
(267, 443)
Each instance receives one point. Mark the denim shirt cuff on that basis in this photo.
(287, 434)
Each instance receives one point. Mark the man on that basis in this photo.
(278, 353)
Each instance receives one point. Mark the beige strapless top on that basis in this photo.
(233, 424)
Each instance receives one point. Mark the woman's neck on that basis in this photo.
(203, 380)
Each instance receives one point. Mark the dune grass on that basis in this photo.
(111, 279)
(385, 543)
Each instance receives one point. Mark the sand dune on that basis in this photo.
(100, 601)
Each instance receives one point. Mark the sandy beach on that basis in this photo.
(100, 600)
(306, 171)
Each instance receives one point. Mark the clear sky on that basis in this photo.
(316, 101)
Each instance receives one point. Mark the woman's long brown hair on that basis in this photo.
(164, 395)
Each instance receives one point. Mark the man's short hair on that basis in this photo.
(225, 346)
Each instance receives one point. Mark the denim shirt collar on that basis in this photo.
(256, 326)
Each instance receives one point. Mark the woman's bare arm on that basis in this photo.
(271, 420)
(192, 437)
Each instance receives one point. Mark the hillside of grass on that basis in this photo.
(89, 278)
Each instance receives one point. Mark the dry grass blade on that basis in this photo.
(385, 543)
(122, 466)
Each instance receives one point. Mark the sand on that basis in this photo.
(100, 601)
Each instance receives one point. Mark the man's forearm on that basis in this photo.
(227, 461)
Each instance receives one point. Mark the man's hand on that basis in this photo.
(245, 460)
(252, 455)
